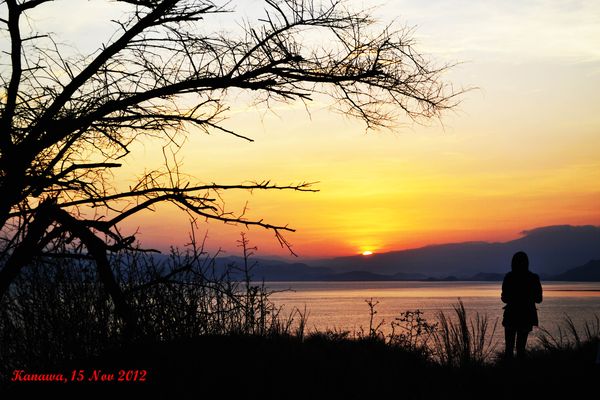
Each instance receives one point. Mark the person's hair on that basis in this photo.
(520, 262)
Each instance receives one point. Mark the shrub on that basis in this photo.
(58, 311)
(463, 341)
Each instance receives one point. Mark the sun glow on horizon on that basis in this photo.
(520, 153)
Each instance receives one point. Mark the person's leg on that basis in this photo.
(521, 342)
(509, 340)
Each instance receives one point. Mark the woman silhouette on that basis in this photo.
(521, 289)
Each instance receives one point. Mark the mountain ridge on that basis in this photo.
(551, 249)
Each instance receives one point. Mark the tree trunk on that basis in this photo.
(25, 251)
(97, 249)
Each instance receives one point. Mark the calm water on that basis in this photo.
(342, 305)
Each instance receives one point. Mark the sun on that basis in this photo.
(367, 253)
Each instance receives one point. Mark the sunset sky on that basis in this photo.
(522, 149)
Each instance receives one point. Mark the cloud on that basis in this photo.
(519, 30)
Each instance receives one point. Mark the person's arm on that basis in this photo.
(505, 296)
(538, 290)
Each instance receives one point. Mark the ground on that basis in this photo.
(246, 367)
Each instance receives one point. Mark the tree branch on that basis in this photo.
(14, 13)
(97, 249)
(95, 65)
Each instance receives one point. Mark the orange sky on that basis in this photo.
(521, 150)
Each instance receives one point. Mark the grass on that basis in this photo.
(58, 309)
(321, 366)
(464, 341)
(568, 336)
(200, 331)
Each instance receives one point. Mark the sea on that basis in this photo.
(343, 306)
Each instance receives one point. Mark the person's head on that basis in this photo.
(520, 262)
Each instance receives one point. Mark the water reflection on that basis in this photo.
(341, 305)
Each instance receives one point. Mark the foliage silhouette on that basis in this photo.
(57, 311)
(67, 120)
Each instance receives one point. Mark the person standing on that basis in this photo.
(521, 290)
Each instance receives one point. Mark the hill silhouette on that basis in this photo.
(588, 272)
(551, 249)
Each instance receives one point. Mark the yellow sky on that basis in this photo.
(521, 151)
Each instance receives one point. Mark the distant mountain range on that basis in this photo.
(588, 272)
(552, 250)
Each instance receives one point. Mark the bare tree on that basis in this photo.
(66, 120)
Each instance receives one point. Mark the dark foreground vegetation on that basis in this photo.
(284, 367)
(202, 335)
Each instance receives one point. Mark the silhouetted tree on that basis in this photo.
(67, 119)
